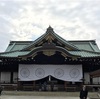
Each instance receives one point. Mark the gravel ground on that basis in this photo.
(43, 95)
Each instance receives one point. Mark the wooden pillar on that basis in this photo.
(65, 85)
(0, 77)
(34, 85)
(19, 85)
(83, 76)
(91, 80)
(11, 77)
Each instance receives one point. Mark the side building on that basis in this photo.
(49, 60)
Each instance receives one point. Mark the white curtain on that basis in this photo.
(32, 72)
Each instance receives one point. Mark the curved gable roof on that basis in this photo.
(50, 33)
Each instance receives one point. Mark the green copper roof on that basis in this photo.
(75, 53)
(81, 48)
(13, 53)
(17, 45)
(85, 53)
(88, 45)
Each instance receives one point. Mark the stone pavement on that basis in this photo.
(42, 95)
(35, 97)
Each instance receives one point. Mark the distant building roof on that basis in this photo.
(89, 45)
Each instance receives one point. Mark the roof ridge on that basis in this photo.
(66, 41)
(80, 40)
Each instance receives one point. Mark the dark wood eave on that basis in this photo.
(95, 73)
(5, 57)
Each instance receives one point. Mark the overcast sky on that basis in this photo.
(26, 20)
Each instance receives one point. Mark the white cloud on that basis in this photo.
(28, 19)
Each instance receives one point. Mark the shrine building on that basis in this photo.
(49, 60)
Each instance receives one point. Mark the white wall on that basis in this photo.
(5, 77)
(87, 78)
(96, 80)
